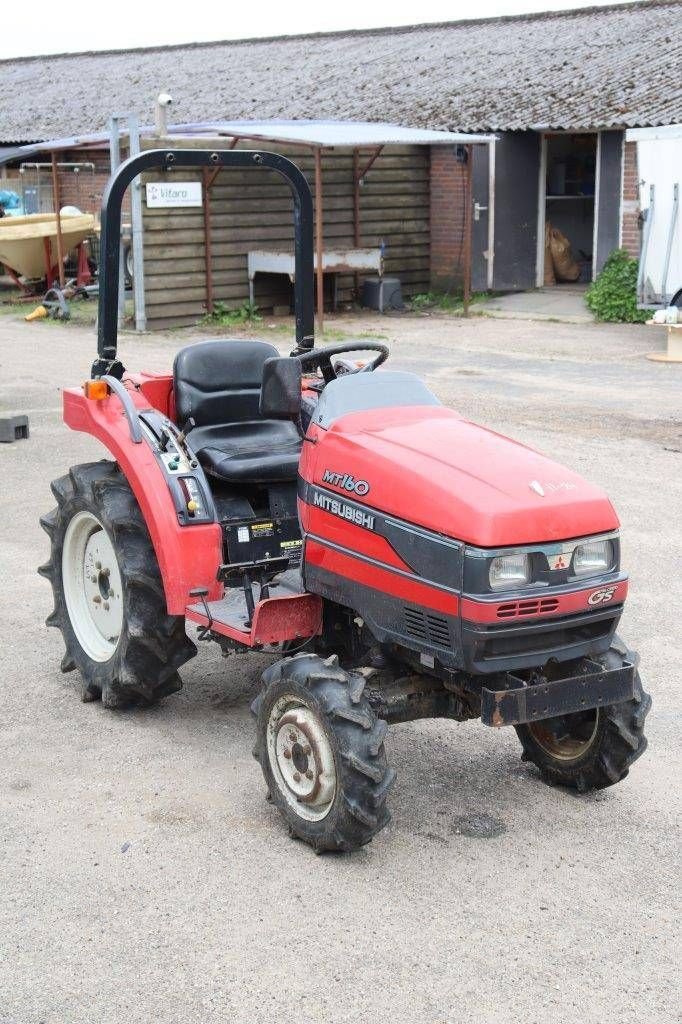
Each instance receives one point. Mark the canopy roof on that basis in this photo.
(319, 134)
(326, 134)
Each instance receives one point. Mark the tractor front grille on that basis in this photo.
(565, 635)
(521, 643)
(529, 606)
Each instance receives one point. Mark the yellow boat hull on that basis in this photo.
(22, 240)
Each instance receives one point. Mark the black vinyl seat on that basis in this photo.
(218, 384)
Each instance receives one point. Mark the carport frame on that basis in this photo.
(321, 136)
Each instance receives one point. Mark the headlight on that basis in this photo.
(593, 558)
(509, 571)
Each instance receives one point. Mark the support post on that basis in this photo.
(356, 213)
(208, 246)
(319, 242)
(136, 224)
(467, 233)
(115, 160)
(56, 203)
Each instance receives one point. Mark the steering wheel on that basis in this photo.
(320, 358)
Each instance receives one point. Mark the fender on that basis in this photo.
(188, 556)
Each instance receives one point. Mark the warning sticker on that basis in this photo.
(262, 530)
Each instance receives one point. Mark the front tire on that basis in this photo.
(108, 595)
(592, 749)
(321, 749)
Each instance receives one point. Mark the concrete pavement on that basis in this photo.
(143, 877)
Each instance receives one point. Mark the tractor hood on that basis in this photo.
(430, 467)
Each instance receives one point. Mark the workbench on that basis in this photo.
(334, 261)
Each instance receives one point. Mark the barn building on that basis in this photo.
(557, 90)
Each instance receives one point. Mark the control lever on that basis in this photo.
(190, 424)
(181, 439)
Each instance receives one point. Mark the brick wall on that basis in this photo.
(82, 188)
(448, 185)
(630, 230)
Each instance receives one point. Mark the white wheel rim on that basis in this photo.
(301, 758)
(92, 586)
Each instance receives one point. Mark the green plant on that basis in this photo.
(425, 300)
(612, 297)
(446, 302)
(222, 314)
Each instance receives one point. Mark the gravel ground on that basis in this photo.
(143, 877)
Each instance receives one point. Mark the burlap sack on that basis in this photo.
(550, 279)
(565, 267)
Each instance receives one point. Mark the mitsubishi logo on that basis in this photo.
(536, 486)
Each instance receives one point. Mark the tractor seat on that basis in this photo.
(218, 385)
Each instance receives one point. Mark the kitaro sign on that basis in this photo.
(177, 193)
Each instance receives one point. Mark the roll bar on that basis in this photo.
(107, 329)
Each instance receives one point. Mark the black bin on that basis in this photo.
(382, 293)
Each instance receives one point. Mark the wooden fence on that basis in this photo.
(253, 210)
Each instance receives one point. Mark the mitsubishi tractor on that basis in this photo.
(395, 560)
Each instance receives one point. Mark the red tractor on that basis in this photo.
(399, 560)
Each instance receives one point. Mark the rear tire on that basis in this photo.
(321, 749)
(597, 747)
(113, 616)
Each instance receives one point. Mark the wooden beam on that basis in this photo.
(56, 204)
(370, 163)
(208, 247)
(356, 215)
(319, 240)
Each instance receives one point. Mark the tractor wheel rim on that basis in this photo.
(581, 732)
(93, 590)
(301, 758)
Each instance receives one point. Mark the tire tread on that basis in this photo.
(363, 776)
(153, 644)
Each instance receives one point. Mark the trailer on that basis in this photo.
(659, 163)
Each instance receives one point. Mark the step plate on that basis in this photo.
(288, 614)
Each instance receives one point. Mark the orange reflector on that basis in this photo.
(95, 389)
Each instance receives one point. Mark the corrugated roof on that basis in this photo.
(599, 67)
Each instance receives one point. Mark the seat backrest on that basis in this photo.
(220, 381)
